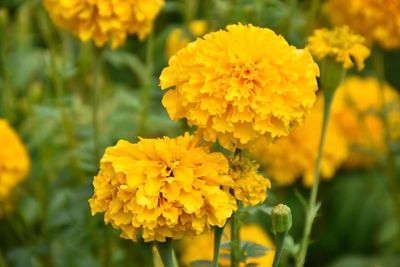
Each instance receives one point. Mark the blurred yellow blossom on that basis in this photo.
(169, 187)
(14, 160)
(180, 37)
(201, 247)
(376, 20)
(250, 187)
(105, 20)
(358, 107)
(295, 156)
(341, 44)
(239, 85)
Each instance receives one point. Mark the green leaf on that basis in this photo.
(202, 263)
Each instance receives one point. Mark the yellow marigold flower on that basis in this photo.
(295, 156)
(250, 187)
(163, 188)
(201, 247)
(377, 20)
(180, 37)
(357, 108)
(240, 84)
(341, 44)
(14, 160)
(105, 20)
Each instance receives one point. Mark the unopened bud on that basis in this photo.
(281, 218)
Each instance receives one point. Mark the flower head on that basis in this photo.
(163, 188)
(250, 187)
(295, 156)
(377, 20)
(358, 108)
(240, 84)
(14, 160)
(201, 247)
(340, 44)
(105, 20)
(180, 37)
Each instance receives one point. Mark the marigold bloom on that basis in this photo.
(295, 156)
(14, 160)
(201, 247)
(340, 44)
(180, 37)
(240, 85)
(377, 20)
(105, 20)
(250, 187)
(163, 188)
(357, 107)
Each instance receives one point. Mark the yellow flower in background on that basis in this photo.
(250, 187)
(377, 20)
(180, 37)
(169, 187)
(341, 44)
(358, 107)
(14, 160)
(201, 247)
(239, 85)
(295, 156)
(105, 20)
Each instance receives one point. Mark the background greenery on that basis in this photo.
(47, 91)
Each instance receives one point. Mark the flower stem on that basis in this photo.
(96, 70)
(235, 239)
(313, 206)
(166, 253)
(147, 87)
(389, 167)
(217, 243)
(280, 241)
(312, 14)
(3, 262)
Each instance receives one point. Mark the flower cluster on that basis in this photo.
(164, 188)
(105, 20)
(250, 187)
(14, 160)
(295, 155)
(377, 20)
(201, 247)
(358, 108)
(340, 44)
(239, 85)
(180, 37)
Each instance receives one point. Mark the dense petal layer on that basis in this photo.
(240, 85)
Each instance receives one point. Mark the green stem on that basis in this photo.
(312, 209)
(96, 72)
(166, 253)
(235, 239)
(312, 15)
(390, 163)
(147, 87)
(217, 243)
(3, 262)
(279, 247)
(191, 8)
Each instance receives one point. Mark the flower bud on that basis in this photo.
(281, 218)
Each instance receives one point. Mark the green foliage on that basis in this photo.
(46, 92)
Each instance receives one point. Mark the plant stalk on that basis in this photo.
(235, 239)
(166, 253)
(217, 243)
(280, 241)
(312, 208)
